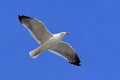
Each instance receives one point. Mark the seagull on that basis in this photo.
(49, 41)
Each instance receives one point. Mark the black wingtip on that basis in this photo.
(20, 17)
(77, 61)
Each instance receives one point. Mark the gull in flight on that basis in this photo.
(49, 41)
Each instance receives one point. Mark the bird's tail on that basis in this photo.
(35, 53)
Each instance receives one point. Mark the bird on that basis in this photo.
(49, 41)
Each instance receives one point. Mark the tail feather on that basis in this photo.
(35, 53)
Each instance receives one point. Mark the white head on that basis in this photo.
(62, 34)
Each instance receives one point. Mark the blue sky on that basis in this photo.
(95, 34)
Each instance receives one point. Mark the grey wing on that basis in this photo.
(65, 50)
(36, 28)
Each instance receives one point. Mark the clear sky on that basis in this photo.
(95, 34)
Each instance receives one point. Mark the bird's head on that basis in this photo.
(61, 35)
(64, 33)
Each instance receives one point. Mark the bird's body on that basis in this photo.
(49, 41)
(48, 44)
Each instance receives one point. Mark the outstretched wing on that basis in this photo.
(66, 51)
(36, 28)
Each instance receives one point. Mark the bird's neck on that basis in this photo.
(58, 36)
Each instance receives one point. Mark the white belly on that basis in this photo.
(50, 43)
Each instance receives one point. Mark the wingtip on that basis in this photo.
(20, 17)
(77, 61)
